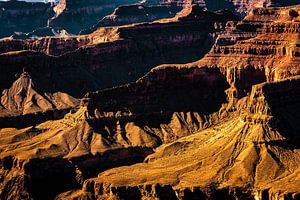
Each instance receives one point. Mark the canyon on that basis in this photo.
(192, 104)
(249, 150)
(110, 56)
(26, 20)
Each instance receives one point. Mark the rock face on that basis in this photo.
(62, 154)
(76, 15)
(112, 55)
(266, 51)
(240, 7)
(22, 98)
(24, 20)
(19, 16)
(250, 148)
(223, 127)
(253, 154)
(135, 13)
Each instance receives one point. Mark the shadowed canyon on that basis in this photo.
(152, 99)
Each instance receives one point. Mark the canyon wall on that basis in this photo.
(249, 151)
(97, 64)
(224, 126)
(19, 16)
(75, 15)
(30, 20)
(241, 158)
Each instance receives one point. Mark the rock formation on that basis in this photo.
(111, 56)
(22, 98)
(134, 14)
(250, 149)
(75, 15)
(222, 127)
(240, 7)
(254, 154)
(72, 16)
(20, 16)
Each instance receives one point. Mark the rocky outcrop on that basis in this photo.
(56, 156)
(22, 98)
(266, 51)
(75, 15)
(134, 14)
(94, 138)
(225, 126)
(72, 16)
(156, 90)
(20, 16)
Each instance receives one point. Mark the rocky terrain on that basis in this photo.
(27, 20)
(19, 16)
(251, 154)
(239, 7)
(110, 56)
(134, 14)
(219, 121)
(249, 150)
(75, 15)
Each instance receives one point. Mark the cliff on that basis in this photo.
(20, 16)
(243, 157)
(240, 7)
(223, 127)
(257, 47)
(24, 20)
(110, 56)
(134, 14)
(75, 15)
(249, 146)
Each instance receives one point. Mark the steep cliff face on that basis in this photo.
(57, 156)
(156, 90)
(252, 154)
(72, 16)
(264, 50)
(111, 56)
(19, 16)
(106, 131)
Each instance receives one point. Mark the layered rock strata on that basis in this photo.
(134, 14)
(227, 124)
(251, 155)
(20, 16)
(75, 15)
(249, 151)
(111, 56)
